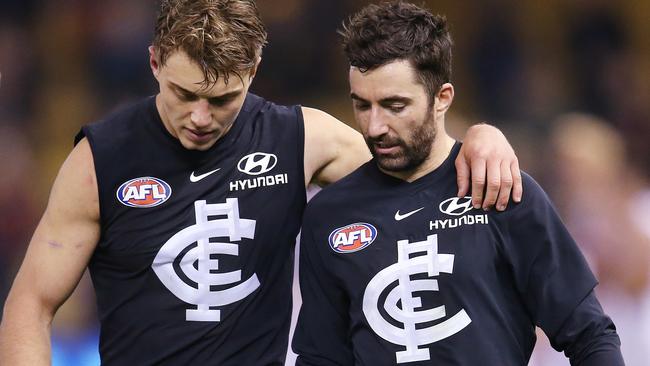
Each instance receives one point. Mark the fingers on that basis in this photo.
(463, 174)
(506, 186)
(493, 183)
(517, 188)
(478, 181)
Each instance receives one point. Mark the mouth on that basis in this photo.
(199, 137)
(385, 146)
(383, 149)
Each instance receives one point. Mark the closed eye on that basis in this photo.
(396, 108)
(360, 106)
(220, 101)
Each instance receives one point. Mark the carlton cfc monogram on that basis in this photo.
(427, 261)
(198, 265)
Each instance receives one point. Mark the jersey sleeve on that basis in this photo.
(588, 337)
(554, 280)
(321, 336)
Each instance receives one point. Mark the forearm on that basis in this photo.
(24, 335)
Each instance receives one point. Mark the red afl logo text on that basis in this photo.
(352, 238)
(144, 192)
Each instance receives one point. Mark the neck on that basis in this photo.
(440, 150)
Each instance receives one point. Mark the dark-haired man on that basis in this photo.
(405, 272)
(185, 206)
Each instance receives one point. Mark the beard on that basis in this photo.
(409, 155)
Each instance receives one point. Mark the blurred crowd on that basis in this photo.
(567, 81)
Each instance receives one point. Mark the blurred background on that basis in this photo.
(567, 81)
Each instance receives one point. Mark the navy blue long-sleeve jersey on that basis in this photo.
(393, 272)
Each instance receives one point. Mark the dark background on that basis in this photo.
(567, 81)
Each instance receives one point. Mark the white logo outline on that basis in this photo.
(196, 178)
(198, 265)
(266, 163)
(400, 217)
(454, 205)
(409, 314)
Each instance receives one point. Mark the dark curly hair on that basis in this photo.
(221, 36)
(398, 30)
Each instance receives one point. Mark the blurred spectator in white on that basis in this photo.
(606, 206)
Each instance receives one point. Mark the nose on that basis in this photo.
(201, 116)
(376, 123)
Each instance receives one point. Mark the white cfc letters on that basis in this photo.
(428, 261)
(198, 263)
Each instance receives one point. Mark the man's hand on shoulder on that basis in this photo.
(488, 159)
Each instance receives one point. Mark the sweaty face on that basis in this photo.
(394, 115)
(197, 115)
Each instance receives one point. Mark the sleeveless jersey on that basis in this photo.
(194, 263)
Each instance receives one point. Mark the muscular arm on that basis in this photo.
(55, 261)
(333, 150)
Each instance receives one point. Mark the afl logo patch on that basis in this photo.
(144, 192)
(352, 238)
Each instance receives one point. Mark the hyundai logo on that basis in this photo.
(257, 163)
(456, 206)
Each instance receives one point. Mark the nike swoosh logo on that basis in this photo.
(196, 178)
(400, 217)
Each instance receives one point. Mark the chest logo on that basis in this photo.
(400, 217)
(400, 304)
(191, 252)
(352, 238)
(257, 163)
(196, 178)
(456, 206)
(144, 192)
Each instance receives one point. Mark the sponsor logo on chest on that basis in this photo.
(458, 208)
(258, 164)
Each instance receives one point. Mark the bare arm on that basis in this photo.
(332, 148)
(55, 261)
(486, 160)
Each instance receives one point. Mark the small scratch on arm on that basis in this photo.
(54, 244)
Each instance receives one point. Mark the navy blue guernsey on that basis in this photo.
(194, 263)
(393, 272)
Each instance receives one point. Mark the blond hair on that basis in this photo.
(221, 36)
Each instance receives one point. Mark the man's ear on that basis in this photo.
(153, 62)
(444, 98)
(254, 69)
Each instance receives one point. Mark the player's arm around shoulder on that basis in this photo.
(332, 148)
(56, 258)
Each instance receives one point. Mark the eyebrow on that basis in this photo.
(390, 99)
(222, 96)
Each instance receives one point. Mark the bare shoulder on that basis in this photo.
(75, 188)
(332, 148)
